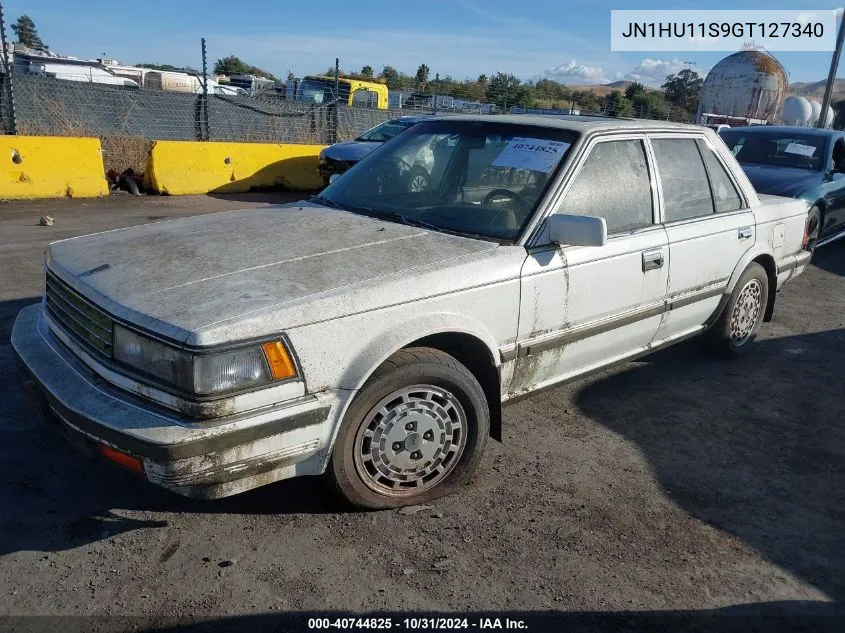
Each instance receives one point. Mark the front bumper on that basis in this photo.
(210, 459)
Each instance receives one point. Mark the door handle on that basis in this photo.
(652, 260)
(745, 232)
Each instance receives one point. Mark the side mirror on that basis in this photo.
(577, 230)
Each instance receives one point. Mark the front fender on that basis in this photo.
(363, 364)
(360, 348)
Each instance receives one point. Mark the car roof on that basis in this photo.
(577, 123)
(414, 118)
(792, 129)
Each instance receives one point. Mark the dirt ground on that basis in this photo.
(677, 487)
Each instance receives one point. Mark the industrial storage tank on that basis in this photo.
(816, 113)
(797, 111)
(749, 84)
(816, 108)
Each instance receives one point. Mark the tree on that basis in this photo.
(506, 90)
(684, 90)
(367, 71)
(617, 105)
(551, 94)
(232, 65)
(291, 76)
(422, 77)
(636, 88)
(159, 66)
(482, 79)
(391, 78)
(27, 34)
(650, 105)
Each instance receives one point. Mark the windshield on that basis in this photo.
(385, 131)
(776, 147)
(321, 90)
(468, 177)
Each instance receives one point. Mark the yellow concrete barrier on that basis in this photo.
(186, 167)
(52, 167)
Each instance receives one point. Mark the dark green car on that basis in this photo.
(798, 162)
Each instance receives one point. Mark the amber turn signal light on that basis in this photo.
(280, 362)
(122, 459)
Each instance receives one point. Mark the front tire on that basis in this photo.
(418, 180)
(733, 334)
(415, 432)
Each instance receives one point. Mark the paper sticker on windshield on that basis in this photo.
(800, 148)
(536, 154)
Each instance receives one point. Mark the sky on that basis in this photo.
(566, 41)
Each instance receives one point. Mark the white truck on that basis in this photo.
(373, 333)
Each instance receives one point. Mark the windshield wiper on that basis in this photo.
(374, 213)
(406, 219)
(326, 202)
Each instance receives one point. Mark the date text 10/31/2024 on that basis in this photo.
(417, 623)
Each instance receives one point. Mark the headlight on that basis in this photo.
(162, 361)
(204, 374)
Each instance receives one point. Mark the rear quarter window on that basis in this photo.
(725, 196)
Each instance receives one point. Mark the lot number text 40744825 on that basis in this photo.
(417, 623)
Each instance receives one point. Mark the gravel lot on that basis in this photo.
(677, 486)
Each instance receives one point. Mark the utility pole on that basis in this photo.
(11, 125)
(206, 133)
(831, 76)
(337, 78)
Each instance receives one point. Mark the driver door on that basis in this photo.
(583, 307)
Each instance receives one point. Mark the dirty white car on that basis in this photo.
(373, 333)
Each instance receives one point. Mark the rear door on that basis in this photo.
(709, 226)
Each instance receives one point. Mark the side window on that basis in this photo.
(686, 189)
(838, 153)
(725, 195)
(613, 184)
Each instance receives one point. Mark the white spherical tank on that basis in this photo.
(796, 111)
(828, 121)
(749, 84)
(817, 110)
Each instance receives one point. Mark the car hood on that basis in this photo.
(350, 150)
(783, 181)
(184, 277)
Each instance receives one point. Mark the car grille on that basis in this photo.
(81, 319)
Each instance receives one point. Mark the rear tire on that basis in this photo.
(415, 432)
(737, 326)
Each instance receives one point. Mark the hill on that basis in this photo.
(808, 89)
(815, 89)
(601, 90)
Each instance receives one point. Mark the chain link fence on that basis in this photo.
(127, 117)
